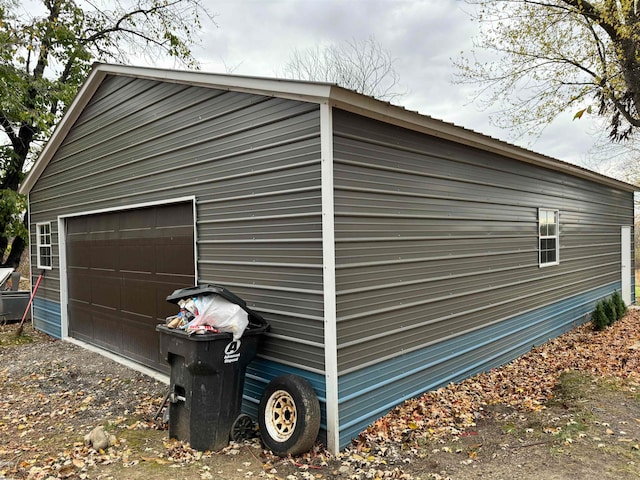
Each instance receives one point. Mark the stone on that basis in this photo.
(99, 439)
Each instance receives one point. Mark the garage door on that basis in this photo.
(120, 268)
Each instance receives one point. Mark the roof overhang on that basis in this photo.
(315, 92)
(370, 107)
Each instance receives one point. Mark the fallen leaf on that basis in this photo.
(158, 460)
(66, 471)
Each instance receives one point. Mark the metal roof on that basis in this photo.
(316, 92)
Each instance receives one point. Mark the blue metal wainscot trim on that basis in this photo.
(47, 316)
(368, 394)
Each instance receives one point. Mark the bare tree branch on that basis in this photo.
(363, 66)
(538, 58)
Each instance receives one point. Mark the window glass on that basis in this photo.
(548, 232)
(552, 222)
(543, 228)
(43, 245)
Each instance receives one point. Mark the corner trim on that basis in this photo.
(329, 278)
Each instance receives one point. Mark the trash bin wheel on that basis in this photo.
(243, 428)
(289, 416)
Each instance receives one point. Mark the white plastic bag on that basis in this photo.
(222, 314)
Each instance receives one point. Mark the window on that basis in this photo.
(548, 231)
(43, 243)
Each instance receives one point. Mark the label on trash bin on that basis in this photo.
(232, 352)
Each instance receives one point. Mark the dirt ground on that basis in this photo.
(53, 393)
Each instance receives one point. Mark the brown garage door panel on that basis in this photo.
(105, 289)
(120, 268)
(79, 284)
(136, 257)
(173, 255)
(107, 329)
(147, 353)
(102, 254)
(78, 253)
(80, 312)
(138, 296)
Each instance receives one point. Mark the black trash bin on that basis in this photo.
(207, 375)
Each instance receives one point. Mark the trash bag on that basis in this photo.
(222, 314)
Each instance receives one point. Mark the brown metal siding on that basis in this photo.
(435, 239)
(251, 161)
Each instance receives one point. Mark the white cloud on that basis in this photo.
(256, 37)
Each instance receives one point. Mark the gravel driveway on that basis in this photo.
(568, 409)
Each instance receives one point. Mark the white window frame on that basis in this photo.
(543, 215)
(43, 242)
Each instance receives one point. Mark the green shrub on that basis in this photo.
(599, 317)
(610, 311)
(621, 308)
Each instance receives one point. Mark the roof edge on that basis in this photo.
(388, 113)
(311, 91)
(295, 89)
(316, 92)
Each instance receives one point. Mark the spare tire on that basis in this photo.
(289, 417)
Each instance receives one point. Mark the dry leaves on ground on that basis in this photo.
(52, 393)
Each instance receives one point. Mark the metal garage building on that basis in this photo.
(391, 252)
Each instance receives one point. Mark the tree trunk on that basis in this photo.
(4, 242)
(17, 247)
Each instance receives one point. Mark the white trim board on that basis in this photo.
(625, 264)
(329, 279)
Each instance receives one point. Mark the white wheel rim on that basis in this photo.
(280, 416)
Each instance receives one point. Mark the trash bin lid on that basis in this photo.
(4, 275)
(211, 289)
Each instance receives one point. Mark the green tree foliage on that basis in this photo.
(610, 311)
(46, 52)
(11, 205)
(538, 58)
(599, 317)
(621, 307)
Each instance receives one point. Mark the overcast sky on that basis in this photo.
(256, 37)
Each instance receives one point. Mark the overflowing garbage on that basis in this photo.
(210, 309)
(209, 314)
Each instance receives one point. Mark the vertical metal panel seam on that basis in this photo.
(329, 278)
